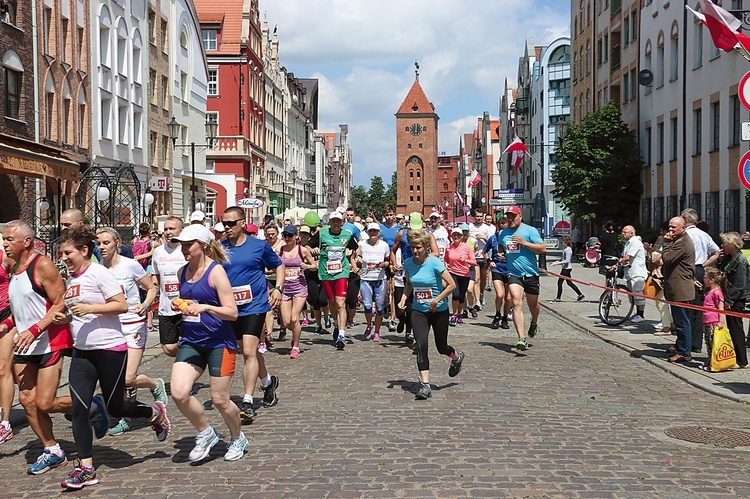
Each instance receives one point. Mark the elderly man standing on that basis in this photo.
(706, 253)
(679, 272)
(634, 255)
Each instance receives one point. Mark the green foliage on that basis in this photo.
(359, 199)
(374, 200)
(597, 176)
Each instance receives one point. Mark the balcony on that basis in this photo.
(230, 147)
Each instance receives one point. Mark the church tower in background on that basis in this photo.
(416, 152)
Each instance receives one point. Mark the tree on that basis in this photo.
(598, 169)
(376, 196)
(359, 199)
(390, 192)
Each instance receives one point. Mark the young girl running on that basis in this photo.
(567, 268)
(716, 284)
(132, 278)
(296, 259)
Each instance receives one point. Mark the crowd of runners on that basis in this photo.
(236, 288)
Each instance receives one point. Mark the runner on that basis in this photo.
(489, 220)
(499, 276)
(471, 297)
(132, 278)
(7, 384)
(208, 306)
(404, 316)
(166, 261)
(440, 233)
(296, 259)
(352, 290)
(94, 299)
(249, 258)
(316, 296)
(266, 337)
(521, 242)
(334, 270)
(425, 275)
(459, 258)
(375, 261)
(389, 231)
(481, 232)
(35, 294)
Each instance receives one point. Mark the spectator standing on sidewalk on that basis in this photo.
(679, 275)
(634, 255)
(735, 268)
(566, 270)
(610, 245)
(663, 328)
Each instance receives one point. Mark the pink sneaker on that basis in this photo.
(368, 332)
(305, 322)
(294, 353)
(6, 433)
(262, 348)
(377, 336)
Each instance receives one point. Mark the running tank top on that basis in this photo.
(295, 281)
(204, 330)
(4, 284)
(405, 248)
(29, 303)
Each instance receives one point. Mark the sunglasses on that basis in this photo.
(230, 223)
(286, 236)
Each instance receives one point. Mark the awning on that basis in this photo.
(20, 161)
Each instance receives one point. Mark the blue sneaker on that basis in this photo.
(46, 462)
(203, 446)
(237, 448)
(99, 419)
(160, 393)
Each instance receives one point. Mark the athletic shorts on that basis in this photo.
(336, 288)
(497, 276)
(251, 325)
(482, 263)
(43, 360)
(170, 327)
(530, 284)
(5, 313)
(133, 330)
(473, 274)
(220, 361)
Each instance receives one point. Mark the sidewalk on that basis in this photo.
(637, 339)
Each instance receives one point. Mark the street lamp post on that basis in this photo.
(211, 130)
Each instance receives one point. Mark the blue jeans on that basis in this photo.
(681, 320)
(368, 289)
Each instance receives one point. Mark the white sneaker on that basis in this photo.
(237, 448)
(637, 318)
(658, 326)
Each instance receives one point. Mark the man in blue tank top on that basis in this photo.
(249, 258)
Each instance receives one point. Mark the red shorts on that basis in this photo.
(336, 288)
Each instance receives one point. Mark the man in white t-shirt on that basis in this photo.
(635, 255)
(442, 238)
(167, 261)
(481, 232)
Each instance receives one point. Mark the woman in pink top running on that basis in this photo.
(296, 259)
(459, 258)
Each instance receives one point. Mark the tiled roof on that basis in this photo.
(416, 102)
(231, 29)
(495, 129)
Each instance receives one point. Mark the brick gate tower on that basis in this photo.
(416, 152)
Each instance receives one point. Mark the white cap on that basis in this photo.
(434, 214)
(456, 230)
(373, 226)
(194, 232)
(219, 227)
(341, 209)
(197, 216)
(335, 214)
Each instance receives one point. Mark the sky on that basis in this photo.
(363, 54)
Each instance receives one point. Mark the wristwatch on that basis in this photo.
(280, 288)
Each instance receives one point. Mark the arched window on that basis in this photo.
(13, 77)
(419, 174)
(49, 106)
(419, 198)
(105, 31)
(137, 51)
(411, 173)
(445, 187)
(122, 48)
(81, 119)
(419, 188)
(67, 112)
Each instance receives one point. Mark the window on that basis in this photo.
(10, 16)
(64, 33)
(81, 120)
(731, 210)
(213, 82)
(184, 86)
(209, 39)
(660, 66)
(67, 108)
(106, 110)
(673, 132)
(122, 58)
(734, 138)
(633, 84)
(698, 131)
(137, 129)
(626, 31)
(649, 145)
(164, 92)
(49, 112)
(151, 27)
(660, 132)
(633, 26)
(81, 49)
(647, 65)
(715, 125)
(625, 83)
(214, 117)
(47, 27)
(694, 202)
(606, 48)
(164, 150)
(658, 211)
(104, 45)
(646, 213)
(671, 207)
(674, 53)
(122, 124)
(152, 85)
(599, 53)
(152, 140)
(137, 77)
(712, 211)
(12, 79)
(164, 36)
(697, 45)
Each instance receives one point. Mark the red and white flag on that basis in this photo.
(518, 150)
(474, 179)
(458, 199)
(722, 25)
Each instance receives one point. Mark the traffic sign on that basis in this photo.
(743, 170)
(745, 128)
(743, 90)
(249, 203)
(467, 208)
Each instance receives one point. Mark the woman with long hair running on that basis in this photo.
(100, 353)
(296, 260)
(132, 277)
(459, 258)
(567, 268)
(425, 275)
(375, 260)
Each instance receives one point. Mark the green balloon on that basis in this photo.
(312, 219)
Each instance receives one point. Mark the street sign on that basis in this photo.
(562, 227)
(249, 203)
(510, 202)
(743, 90)
(743, 170)
(467, 208)
(507, 193)
(745, 130)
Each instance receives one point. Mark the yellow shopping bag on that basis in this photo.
(722, 352)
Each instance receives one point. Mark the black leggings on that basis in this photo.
(462, 284)
(316, 295)
(560, 281)
(734, 324)
(422, 321)
(402, 315)
(108, 367)
(352, 292)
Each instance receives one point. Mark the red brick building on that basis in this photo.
(447, 187)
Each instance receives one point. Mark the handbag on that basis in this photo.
(650, 287)
(722, 352)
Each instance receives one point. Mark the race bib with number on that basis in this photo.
(72, 295)
(191, 318)
(333, 267)
(513, 247)
(242, 294)
(171, 285)
(292, 272)
(423, 295)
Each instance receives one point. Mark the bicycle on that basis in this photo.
(615, 307)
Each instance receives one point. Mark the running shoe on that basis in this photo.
(460, 320)
(131, 393)
(340, 342)
(637, 318)
(580, 298)
(203, 446)
(349, 324)
(453, 320)
(237, 448)
(533, 329)
(455, 367)
(46, 462)
(269, 393)
(400, 327)
(269, 341)
(392, 326)
(478, 305)
(504, 324)
(160, 421)
(409, 339)
(305, 321)
(99, 419)
(465, 314)
(262, 348)
(510, 314)
(318, 330)
(80, 477)
(282, 334)
(488, 288)
(121, 427)
(368, 332)
(377, 336)
(247, 412)
(424, 392)
(294, 353)
(6, 433)
(496, 322)
(556, 300)
(160, 393)
(473, 313)
(522, 345)
(328, 322)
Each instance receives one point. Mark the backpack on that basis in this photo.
(141, 247)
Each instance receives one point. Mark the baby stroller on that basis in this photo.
(592, 254)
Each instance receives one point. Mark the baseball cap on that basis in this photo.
(415, 220)
(513, 209)
(305, 229)
(197, 216)
(434, 214)
(194, 232)
(290, 229)
(336, 214)
(400, 216)
(456, 230)
(268, 215)
(465, 227)
(373, 226)
(219, 227)
(251, 229)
